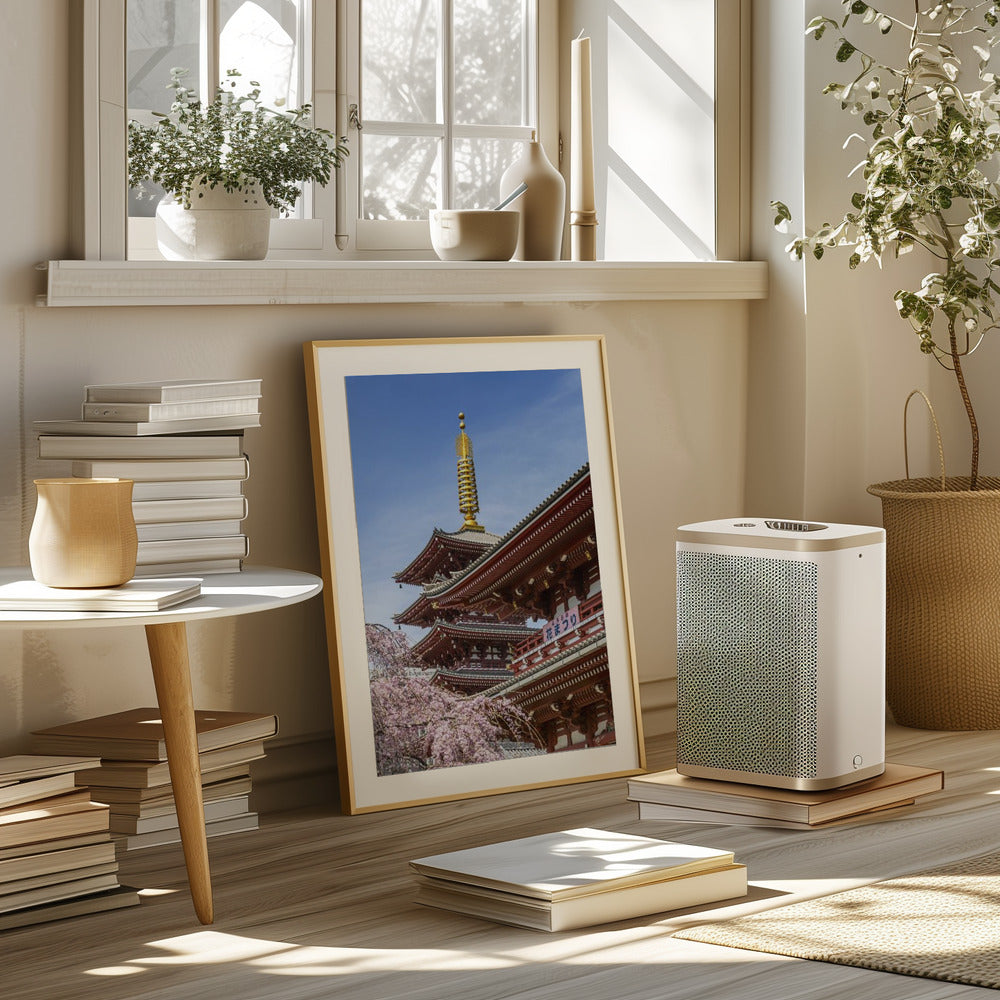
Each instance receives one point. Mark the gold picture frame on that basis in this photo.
(476, 596)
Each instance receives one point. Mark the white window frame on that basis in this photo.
(101, 220)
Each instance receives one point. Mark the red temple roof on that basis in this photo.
(446, 552)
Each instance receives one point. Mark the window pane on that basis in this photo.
(401, 176)
(479, 164)
(399, 45)
(489, 62)
(160, 34)
(258, 39)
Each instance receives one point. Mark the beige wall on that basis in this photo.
(831, 363)
(678, 387)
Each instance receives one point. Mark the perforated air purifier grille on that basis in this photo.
(746, 663)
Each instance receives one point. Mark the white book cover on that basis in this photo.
(186, 489)
(195, 567)
(698, 889)
(67, 447)
(571, 863)
(171, 390)
(185, 549)
(210, 508)
(142, 428)
(171, 411)
(151, 469)
(186, 529)
(136, 595)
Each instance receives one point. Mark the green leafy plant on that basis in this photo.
(234, 142)
(929, 176)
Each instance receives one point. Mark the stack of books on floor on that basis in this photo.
(181, 441)
(669, 796)
(132, 776)
(57, 858)
(577, 878)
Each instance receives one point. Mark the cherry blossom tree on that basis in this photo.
(419, 725)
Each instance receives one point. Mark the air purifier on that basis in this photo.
(781, 652)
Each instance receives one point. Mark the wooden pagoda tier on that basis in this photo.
(471, 655)
(446, 552)
(560, 679)
(545, 562)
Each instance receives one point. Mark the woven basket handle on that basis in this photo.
(937, 432)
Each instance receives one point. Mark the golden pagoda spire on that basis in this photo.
(468, 497)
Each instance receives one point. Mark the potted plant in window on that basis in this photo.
(928, 184)
(227, 166)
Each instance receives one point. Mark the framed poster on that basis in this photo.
(476, 596)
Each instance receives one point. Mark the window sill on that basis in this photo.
(281, 282)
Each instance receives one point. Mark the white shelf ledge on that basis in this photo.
(282, 282)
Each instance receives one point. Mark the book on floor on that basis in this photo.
(12, 892)
(135, 595)
(148, 800)
(239, 405)
(575, 878)
(171, 390)
(141, 428)
(656, 812)
(137, 734)
(37, 826)
(27, 766)
(157, 838)
(65, 859)
(67, 447)
(24, 849)
(216, 765)
(95, 902)
(898, 782)
(119, 822)
(598, 907)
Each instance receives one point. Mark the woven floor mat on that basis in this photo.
(938, 924)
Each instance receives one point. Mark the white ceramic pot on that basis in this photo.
(219, 225)
(474, 234)
(83, 533)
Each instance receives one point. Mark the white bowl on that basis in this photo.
(474, 234)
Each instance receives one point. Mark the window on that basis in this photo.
(443, 92)
(447, 92)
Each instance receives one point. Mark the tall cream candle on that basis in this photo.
(583, 216)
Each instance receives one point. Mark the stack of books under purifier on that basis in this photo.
(181, 442)
(132, 776)
(57, 857)
(669, 796)
(577, 878)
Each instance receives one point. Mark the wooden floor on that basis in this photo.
(318, 905)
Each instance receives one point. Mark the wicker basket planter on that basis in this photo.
(943, 601)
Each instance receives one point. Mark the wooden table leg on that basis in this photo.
(168, 654)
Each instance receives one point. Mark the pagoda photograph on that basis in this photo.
(480, 580)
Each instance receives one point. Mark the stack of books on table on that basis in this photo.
(181, 441)
(577, 878)
(132, 776)
(57, 858)
(669, 796)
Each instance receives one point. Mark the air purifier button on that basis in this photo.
(858, 760)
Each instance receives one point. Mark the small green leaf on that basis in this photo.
(854, 260)
(845, 51)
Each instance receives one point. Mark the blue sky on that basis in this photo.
(528, 436)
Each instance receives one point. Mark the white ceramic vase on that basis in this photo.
(542, 206)
(83, 533)
(219, 225)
